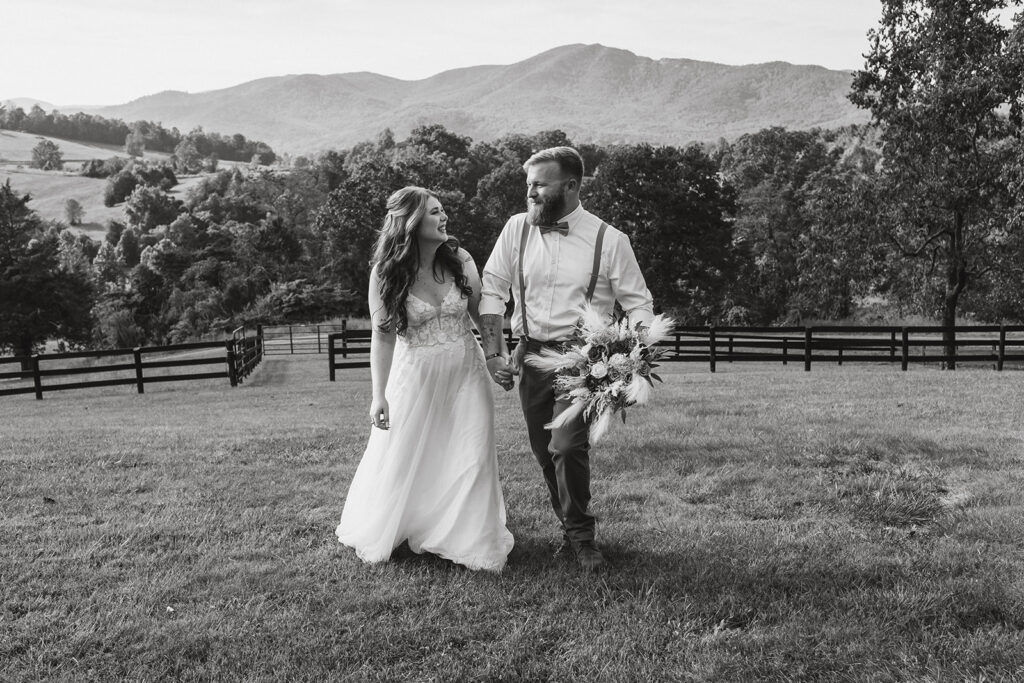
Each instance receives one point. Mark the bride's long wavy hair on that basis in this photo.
(396, 255)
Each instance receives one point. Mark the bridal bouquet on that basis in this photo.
(608, 367)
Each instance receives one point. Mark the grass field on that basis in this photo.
(761, 523)
(51, 189)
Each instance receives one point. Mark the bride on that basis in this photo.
(429, 474)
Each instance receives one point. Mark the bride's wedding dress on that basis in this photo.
(432, 478)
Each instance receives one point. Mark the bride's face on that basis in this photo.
(432, 227)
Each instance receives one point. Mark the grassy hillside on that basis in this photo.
(51, 189)
(16, 148)
(762, 524)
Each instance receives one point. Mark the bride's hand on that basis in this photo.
(380, 413)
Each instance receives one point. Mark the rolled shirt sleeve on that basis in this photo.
(498, 273)
(628, 284)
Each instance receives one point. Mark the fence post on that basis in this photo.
(906, 350)
(892, 346)
(330, 354)
(318, 350)
(291, 341)
(259, 340)
(953, 364)
(711, 346)
(37, 380)
(344, 338)
(139, 382)
(1002, 347)
(785, 350)
(807, 349)
(730, 348)
(232, 370)
(677, 343)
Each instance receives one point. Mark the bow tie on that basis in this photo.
(562, 228)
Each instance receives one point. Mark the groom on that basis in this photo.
(555, 257)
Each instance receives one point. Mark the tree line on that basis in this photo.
(137, 136)
(920, 210)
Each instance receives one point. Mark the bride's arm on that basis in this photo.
(382, 351)
(503, 377)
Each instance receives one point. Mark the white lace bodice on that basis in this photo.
(431, 326)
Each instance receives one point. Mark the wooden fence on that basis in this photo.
(299, 339)
(989, 344)
(241, 355)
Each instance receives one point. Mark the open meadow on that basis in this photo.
(51, 189)
(854, 523)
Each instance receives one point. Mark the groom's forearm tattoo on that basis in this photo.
(490, 335)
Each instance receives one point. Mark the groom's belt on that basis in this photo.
(534, 345)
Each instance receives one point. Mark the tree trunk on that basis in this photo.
(956, 280)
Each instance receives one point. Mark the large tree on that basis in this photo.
(939, 79)
(39, 299)
(47, 156)
(773, 171)
(676, 212)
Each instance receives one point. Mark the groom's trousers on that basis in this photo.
(563, 454)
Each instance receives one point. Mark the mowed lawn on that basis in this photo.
(854, 523)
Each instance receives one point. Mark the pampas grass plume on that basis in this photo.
(660, 330)
(567, 416)
(639, 390)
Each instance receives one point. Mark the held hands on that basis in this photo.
(380, 413)
(501, 372)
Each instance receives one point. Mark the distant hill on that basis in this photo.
(26, 103)
(593, 93)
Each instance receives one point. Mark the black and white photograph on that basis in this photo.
(503, 341)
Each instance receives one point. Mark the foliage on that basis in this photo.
(135, 142)
(98, 168)
(779, 225)
(940, 77)
(300, 300)
(73, 212)
(148, 135)
(670, 203)
(149, 207)
(47, 156)
(122, 183)
(43, 292)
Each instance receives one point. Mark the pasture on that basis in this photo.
(761, 523)
(51, 189)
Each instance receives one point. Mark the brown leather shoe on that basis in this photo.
(589, 557)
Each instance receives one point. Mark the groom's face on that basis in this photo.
(546, 193)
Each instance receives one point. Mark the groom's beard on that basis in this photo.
(547, 213)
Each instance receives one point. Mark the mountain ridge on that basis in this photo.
(592, 92)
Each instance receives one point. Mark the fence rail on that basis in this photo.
(994, 344)
(242, 353)
(299, 339)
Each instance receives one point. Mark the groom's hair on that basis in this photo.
(568, 160)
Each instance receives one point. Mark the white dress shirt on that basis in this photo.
(557, 270)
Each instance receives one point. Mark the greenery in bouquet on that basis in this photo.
(608, 367)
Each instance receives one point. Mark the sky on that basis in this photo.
(93, 52)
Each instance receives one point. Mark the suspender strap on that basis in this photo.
(597, 261)
(522, 278)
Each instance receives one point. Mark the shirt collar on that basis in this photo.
(573, 217)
